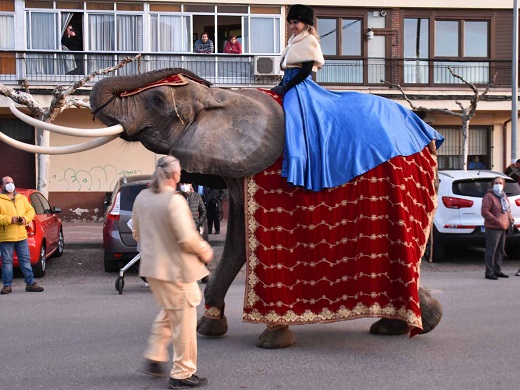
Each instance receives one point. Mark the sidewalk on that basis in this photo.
(90, 234)
(83, 234)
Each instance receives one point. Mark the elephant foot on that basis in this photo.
(389, 327)
(276, 336)
(213, 323)
(212, 327)
(431, 310)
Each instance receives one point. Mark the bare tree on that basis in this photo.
(61, 101)
(466, 113)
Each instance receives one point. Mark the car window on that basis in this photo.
(128, 195)
(35, 201)
(478, 188)
(45, 203)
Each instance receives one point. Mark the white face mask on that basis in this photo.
(498, 187)
(9, 187)
(185, 188)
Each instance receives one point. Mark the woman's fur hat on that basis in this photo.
(302, 13)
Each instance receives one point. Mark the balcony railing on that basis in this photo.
(52, 68)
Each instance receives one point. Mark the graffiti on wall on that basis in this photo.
(97, 178)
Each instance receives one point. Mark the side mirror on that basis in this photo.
(56, 210)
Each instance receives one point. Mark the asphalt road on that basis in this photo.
(80, 333)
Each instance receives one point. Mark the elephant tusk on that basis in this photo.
(103, 132)
(57, 149)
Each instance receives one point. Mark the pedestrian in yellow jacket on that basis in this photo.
(15, 213)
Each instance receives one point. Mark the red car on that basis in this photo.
(45, 232)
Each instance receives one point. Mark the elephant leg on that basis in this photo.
(213, 322)
(431, 313)
(276, 336)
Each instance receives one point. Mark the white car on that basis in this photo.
(458, 221)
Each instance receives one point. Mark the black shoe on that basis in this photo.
(518, 273)
(491, 277)
(501, 275)
(217, 232)
(152, 368)
(188, 383)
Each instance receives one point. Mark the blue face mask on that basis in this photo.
(498, 187)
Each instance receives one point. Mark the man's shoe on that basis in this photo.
(189, 383)
(152, 368)
(501, 275)
(491, 277)
(33, 288)
(6, 290)
(217, 232)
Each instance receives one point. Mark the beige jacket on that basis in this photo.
(171, 249)
(303, 47)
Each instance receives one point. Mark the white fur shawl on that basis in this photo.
(302, 48)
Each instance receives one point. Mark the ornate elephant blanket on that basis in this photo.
(342, 253)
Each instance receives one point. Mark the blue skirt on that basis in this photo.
(332, 137)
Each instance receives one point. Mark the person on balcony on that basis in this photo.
(204, 45)
(74, 43)
(232, 46)
(330, 136)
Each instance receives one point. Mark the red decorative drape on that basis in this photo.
(348, 252)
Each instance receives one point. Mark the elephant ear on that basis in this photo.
(235, 133)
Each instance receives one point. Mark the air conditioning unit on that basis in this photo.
(267, 65)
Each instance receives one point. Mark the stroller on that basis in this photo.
(120, 281)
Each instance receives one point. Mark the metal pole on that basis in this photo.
(514, 87)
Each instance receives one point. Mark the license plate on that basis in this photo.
(482, 229)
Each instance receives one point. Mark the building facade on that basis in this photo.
(367, 49)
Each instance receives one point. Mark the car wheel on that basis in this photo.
(111, 265)
(41, 265)
(61, 245)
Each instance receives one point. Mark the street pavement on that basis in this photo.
(85, 335)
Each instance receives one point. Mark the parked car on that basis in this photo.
(119, 246)
(458, 221)
(45, 232)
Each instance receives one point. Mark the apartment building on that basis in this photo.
(407, 43)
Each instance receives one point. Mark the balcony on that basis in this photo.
(53, 68)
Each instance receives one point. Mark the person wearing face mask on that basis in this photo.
(497, 217)
(15, 213)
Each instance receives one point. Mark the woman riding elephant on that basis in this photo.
(319, 151)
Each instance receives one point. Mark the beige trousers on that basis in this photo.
(176, 323)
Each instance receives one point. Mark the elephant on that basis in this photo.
(225, 138)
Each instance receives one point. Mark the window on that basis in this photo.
(35, 202)
(342, 45)
(6, 31)
(170, 33)
(265, 35)
(450, 155)
(456, 42)
(416, 47)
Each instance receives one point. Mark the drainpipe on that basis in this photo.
(504, 140)
(514, 86)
